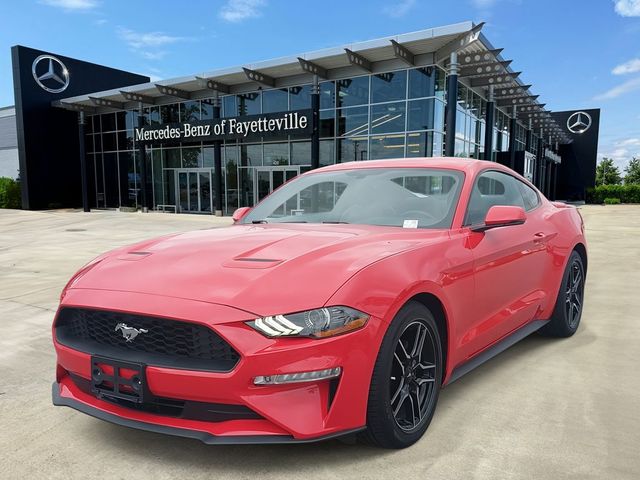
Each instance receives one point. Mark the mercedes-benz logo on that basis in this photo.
(579, 122)
(50, 73)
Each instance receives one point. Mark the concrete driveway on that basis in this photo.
(543, 409)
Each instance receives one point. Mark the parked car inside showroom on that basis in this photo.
(341, 304)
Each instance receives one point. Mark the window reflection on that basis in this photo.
(389, 86)
(353, 91)
(300, 97)
(275, 100)
(353, 121)
(388, 117)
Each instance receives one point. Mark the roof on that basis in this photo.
(452, 163)
(480, 65)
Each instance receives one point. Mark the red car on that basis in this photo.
(340, 304)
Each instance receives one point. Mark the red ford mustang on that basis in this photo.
(342, 303)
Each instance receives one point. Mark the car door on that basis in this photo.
(508, 261)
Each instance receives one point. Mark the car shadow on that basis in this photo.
(184, 452)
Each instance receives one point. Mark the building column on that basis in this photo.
(315, 134)
(549, 171)
(452, 102)
(512, 138)
(83, 162)
(217, 160)
(142, 155)
(488, 128)
(539, 160)
(527, 144)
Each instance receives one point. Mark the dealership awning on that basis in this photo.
(481, 66)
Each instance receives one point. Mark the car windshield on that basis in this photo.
(398, 197)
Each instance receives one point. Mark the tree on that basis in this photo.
(632, 171)
(607, 173)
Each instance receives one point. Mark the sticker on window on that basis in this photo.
(410, 224)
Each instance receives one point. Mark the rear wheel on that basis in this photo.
(406, 379)
(568, 309)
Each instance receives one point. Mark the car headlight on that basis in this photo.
(317, 323)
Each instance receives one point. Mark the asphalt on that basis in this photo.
(544, 409)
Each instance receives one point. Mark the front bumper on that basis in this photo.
(205, 437)
(285, 413)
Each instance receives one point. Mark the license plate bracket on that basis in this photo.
(115, 380)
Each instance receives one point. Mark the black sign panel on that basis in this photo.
(47, 136)
(578, 168)
(266, 126)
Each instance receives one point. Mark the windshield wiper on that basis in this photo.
(258, 221)
(335, 222)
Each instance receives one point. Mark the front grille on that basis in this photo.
(185, 409)
(166, 342)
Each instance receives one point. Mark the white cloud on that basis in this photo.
(72, 5)
(619, 90)
(621, 151)
(148, 44)
(627, 8)
(145, 40)
(399, 9)
(238, 10)
(483, 4)
(631, 66)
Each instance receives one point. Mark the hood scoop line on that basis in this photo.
(252, 262)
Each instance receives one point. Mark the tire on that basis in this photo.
(404, 378)
(567, 312)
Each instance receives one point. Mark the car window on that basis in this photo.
(400, 197)
(492, 188)
(529, 196)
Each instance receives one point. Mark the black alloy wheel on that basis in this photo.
(567, 312)
(574, 293)
(406, 379)
(413, 375)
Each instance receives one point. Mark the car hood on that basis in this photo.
(262, 269)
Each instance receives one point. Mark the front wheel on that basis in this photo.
(568, 309)
(406, 379)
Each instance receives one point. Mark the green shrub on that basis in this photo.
(611, 201)
(10, 196)
(629, 193)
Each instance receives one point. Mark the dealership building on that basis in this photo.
(88, 135)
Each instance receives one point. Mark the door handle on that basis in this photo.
(539, 237)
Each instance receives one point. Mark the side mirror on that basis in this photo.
(240, 213)
(502, 216)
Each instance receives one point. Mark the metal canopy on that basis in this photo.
(259, 77)
(485, 70)
(173, 92)
(358, 60)
(403, 53)
(312, 68)
(209, 84)
(138, 97)
(479, 62)
(105, 102)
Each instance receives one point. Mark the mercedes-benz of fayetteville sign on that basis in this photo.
(50, 73)
(298, 122)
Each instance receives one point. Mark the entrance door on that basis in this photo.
(269, 178)
(193, 190)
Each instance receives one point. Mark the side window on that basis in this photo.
(492, 188)
(529, 196)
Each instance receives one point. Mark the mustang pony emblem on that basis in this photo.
(129, 333)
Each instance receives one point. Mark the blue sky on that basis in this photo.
(575, 53)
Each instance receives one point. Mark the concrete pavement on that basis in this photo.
(545, 408)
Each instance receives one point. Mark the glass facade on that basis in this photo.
(395, 114)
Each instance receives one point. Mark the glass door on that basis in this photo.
(193, 190)
(269, 178)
